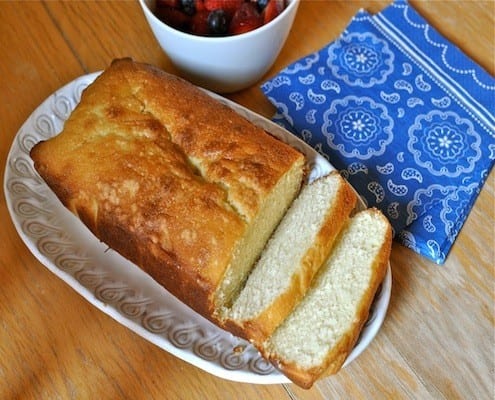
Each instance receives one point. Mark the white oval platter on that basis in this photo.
(116, 286)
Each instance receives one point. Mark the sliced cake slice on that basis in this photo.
(318, 335)
(299, 246)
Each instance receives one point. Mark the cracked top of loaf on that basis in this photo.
(167, 176)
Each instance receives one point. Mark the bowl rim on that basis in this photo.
(218, 39)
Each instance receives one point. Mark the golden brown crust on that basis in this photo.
(258, 329)
(336, 357)
(163, 174)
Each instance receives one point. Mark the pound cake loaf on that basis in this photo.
(172, 179)
(319, 334)
(291, 258)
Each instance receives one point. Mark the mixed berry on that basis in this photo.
(218, 17)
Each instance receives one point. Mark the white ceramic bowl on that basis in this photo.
(223, 64)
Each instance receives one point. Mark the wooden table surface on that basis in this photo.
(436, 342)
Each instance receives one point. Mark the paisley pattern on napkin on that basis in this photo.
(405, 116)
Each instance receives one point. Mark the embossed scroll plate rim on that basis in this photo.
(119, 288)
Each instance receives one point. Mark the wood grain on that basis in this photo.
(437, 341)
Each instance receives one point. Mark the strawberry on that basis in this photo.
(272, 9)
(199, 23)
(245, 19)
(229, 6)
(200, 5)
(173, 17)
(168, 3)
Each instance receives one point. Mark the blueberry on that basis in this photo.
(218, 22)
(261, 4)
(188, 6)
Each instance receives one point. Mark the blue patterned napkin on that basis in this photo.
(405, 116)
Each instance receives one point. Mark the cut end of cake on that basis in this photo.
(249, 248)
(292, 256)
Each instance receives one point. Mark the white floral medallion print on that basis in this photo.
(444, 143)
(361, 59)
(358, 127)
